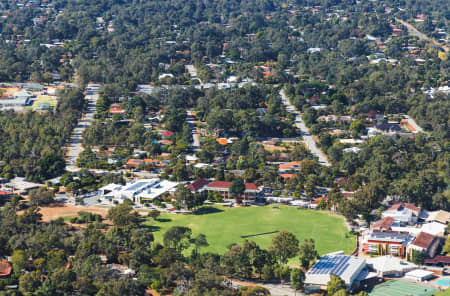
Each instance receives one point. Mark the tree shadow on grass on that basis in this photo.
(207, 210)
(163, 220)
(153, 228)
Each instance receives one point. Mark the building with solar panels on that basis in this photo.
(348, 268)
(138, 191)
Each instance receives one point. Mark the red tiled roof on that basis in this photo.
(398, 205)
(165, 142)
(220, 184)
(225, 184)
(4, 193)
(423, 240)
(395, 207)
(384, 223)
(287, 176)
(137, 162)
(347, 193)
(251, 186)
(198, 184)
(412, 207)
(438, 259)
(116, 111)
(222, 141)
(5, 268)
(166, 133)
(317, 200)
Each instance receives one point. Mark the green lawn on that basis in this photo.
(226, 226)
(444, 293)
(400, 288)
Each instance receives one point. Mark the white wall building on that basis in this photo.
(138, 190)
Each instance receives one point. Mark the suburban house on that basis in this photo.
(386, 243)
(388, 128)
(5, 269)
(425, 242)
(166, 134)
(5, 193)
(136, 163)
(403, 213)
(290, 166)
(116, 109)
(223, 188)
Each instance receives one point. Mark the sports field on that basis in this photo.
(400, 288)
(225, 226)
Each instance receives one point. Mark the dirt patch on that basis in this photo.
(272, 148)
(9, 91)
(65, 210)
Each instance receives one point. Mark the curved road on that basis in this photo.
(308, 139)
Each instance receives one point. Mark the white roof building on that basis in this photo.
(21, 185)
(419, 275)
(346, 267)
(138, 190)
(434, 228)
(390, 265)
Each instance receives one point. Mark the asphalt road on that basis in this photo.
(195, 136)
(421, 35)
(76, 140)
(308, 139)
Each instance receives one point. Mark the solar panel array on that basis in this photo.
(391, 236)
(331, 265)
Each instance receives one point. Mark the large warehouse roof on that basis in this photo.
(346, 267)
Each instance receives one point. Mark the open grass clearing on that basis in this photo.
(225, 226)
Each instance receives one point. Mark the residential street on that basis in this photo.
(195, 136)
(419, 34)
(75, 147)
(308, 139)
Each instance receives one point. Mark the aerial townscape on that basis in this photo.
(224, 147)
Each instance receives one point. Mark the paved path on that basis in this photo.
(414, 124)
(421, 35)
(275, 289)
(308, 139)
(195, 136)
(76, 140)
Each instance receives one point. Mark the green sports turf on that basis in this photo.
(444, 293)
(401, 288)
(225, 226)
